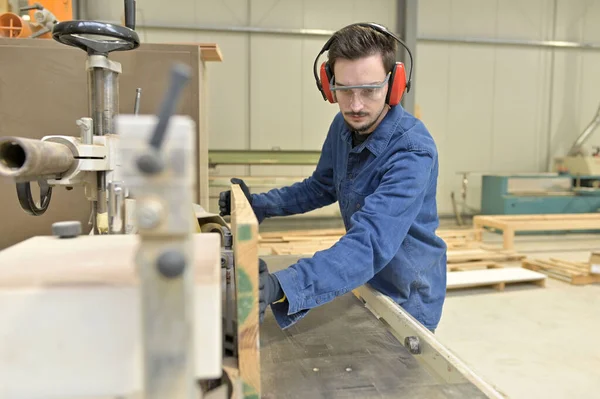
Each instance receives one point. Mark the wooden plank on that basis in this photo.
(245, 232)
(561, 271)
(550, 216)
(492, 277)
(481, 255)
(510, 224)
(473, 266)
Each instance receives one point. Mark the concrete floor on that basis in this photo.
(527, 341)
(530, 341)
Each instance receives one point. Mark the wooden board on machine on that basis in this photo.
(245, 232)
(575, 273)
(510, 224)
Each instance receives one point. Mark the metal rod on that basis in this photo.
(136, 106)
(425, 38)
(30, 159)
(511, 42)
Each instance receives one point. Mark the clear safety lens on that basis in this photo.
(364, 92)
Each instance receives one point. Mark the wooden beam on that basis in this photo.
(245, 232)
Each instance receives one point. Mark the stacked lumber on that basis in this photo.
(575, 273)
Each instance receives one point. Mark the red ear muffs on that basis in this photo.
(326, 76)
(397, 85)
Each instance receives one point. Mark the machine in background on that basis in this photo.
(573, 187)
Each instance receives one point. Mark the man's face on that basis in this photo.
(362, 108)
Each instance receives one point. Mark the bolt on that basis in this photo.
(171, 263)
(149, 215)
(315, 369)
(413, 345)
(348, 369)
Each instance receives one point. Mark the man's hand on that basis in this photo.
(225, 197)
(269, 289)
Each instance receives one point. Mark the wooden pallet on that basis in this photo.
(497, 277)
(576, 273)
(509, 224)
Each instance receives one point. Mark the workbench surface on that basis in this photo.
(341, 350)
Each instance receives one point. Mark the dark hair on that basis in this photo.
(355, 41)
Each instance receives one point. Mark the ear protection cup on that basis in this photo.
(326, 77)
(397, 85)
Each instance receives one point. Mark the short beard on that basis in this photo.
(368, 125)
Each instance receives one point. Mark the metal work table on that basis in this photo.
(341, 350)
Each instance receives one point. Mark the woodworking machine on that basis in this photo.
(135, 309)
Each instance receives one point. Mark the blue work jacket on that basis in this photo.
(386, 190)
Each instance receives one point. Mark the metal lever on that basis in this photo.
(180, 74)
(130, 14)
(151, 162)
(136, 105)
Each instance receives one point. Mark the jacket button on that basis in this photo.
(357, 206)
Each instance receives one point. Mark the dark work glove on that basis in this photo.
(225, 197)
(269, 289)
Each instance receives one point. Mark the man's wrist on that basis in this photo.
(277, 293)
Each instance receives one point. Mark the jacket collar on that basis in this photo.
(380, 137)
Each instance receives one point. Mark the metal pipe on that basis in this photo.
(585, 135)
(511, 42)
(103, 106)
(425, 38)
(30, 159)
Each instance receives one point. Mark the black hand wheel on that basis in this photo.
(96, 37)
(27, 202)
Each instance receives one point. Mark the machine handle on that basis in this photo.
(80, 33)
(151, 162)
(130, 14)
(180, 74)
(26, 200)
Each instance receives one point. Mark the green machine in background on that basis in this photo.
(542, 193)
(574, 187)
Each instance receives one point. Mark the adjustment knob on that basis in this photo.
(68, 229)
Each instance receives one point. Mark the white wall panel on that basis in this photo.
(519, 127)
(473, 17)
(288, 14)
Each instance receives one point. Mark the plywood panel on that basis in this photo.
(44, 91)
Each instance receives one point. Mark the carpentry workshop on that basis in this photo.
(290, 199)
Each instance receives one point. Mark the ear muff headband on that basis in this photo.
(393, 97)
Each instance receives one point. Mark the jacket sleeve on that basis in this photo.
(312, 193)
(375, 236)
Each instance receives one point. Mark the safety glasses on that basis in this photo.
(371, 92)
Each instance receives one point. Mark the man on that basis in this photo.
(381, 164)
